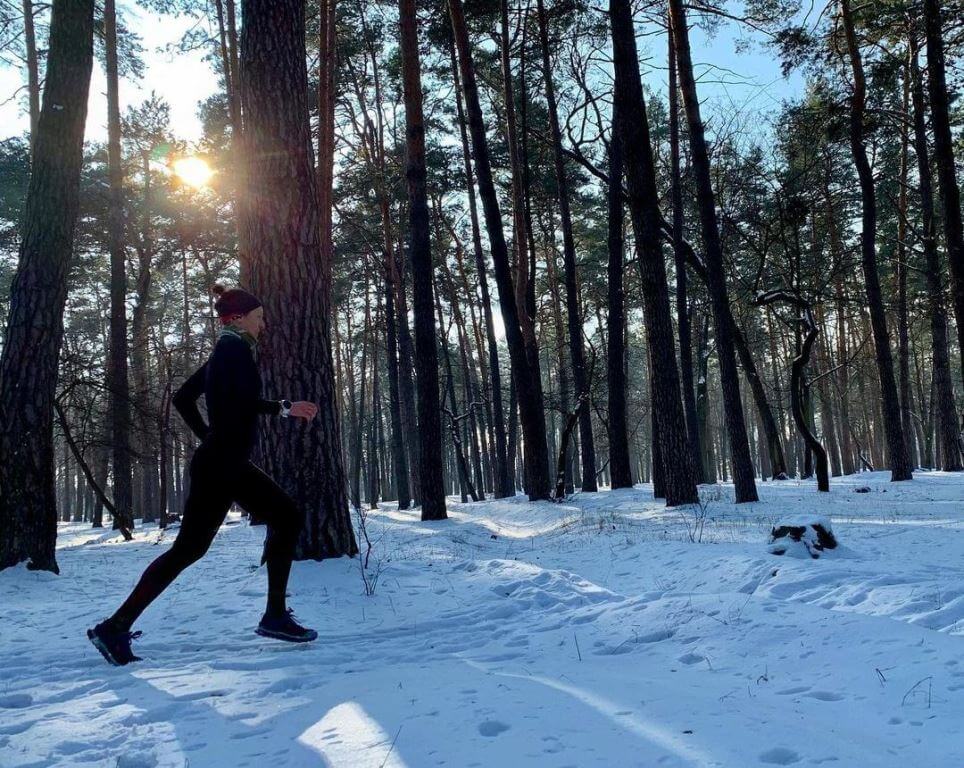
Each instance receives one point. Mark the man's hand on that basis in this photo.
(302, 409)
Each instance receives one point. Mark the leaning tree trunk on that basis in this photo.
(620, 468)
(577, 354)
(118, 385)
(426, 345)
(900, 468)
(282, 223)
(944, 157)
(525, 359)
(742, 463)
(947, 425)
(35, 321)
(633, 127)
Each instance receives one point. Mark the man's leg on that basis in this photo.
(264, 499)
(207, 504)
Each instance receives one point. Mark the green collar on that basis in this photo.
(246, 337)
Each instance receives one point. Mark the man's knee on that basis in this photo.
(190, 550)
(285, 526)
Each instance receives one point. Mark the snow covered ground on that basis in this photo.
(607, 631)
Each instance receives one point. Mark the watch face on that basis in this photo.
(286, 404)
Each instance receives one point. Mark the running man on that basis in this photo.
(221, 473)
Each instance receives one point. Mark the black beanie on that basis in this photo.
(233, 301)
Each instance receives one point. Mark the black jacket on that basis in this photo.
(232, 390)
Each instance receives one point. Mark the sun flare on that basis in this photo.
(193, 171)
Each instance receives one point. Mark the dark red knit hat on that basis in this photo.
(233, 301)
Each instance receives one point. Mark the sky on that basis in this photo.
(182, 79)
(752, 79)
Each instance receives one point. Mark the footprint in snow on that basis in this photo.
(492, 728)
(779, 756)
(16, 700)
(825, 696)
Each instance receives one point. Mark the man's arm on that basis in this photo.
(269, 407)
(185, 400)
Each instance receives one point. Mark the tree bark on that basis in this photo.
(682, 308)
(399, 460)
(633, 127)
(282, 223)
(118, 385)
(33, 70)
(420, 250)
(145, 474)
(900, 468)
(903, 338)
(28, 363)
(619, 464)
(743, 481)
(327, 65)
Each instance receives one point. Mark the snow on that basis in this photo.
(605, 631)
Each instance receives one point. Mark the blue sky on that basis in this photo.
(753, 81)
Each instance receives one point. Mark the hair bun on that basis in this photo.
(217, 289)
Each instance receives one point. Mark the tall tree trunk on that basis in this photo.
(742, 463)
(580, 376)
(619, 464)
(947, 425)
(327, 65)
(903, 339)
(373, 464)
(118, 385)
(512, 441)
(282, 223)
(900, 468)
(28, 363)
(562, 365)
(399, 460)
(406, 371)
(420, 250)
(704, 409)
(633, 128)
(682, 308)
(33, 70)
(843, 373)
(944, 159)
(145, 474)
(523, 353)
(357, 455)
(524, 275)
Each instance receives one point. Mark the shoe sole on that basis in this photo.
(99, 645)
(290, 638)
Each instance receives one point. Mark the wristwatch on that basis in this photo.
(285, 408)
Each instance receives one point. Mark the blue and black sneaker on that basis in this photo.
(113, 643)
(282, 626)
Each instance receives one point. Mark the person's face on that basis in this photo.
(252, 322)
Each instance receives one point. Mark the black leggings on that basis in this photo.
(215, 484)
